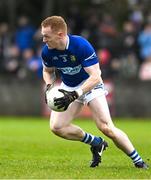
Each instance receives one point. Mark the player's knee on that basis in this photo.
(108, 131)
(56, 129)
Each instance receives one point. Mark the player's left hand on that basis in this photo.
(66, 100)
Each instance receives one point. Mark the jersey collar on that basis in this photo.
(68, 41)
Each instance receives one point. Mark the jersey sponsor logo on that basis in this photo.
(91, 57)
(71, 70)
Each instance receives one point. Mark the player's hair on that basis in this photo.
(56, 23)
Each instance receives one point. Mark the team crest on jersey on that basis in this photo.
(73, 58)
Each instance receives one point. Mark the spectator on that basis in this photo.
(145, 51)
(5, 43)
(145, 70)
(137, 17)
(128, 39)
(127, 62)
(144, 41)
(105, 61)
(32, 63)
(24, 34)
(12, 63)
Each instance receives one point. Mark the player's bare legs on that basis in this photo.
(104, 122)
(60, 123)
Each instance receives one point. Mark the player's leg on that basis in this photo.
(104, 122)
(60, 124)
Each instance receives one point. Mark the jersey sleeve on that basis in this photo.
(46, 58)
(87, 54)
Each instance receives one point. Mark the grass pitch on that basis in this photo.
(29, 150)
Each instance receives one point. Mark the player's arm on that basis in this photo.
(94, 78)
(49, 75)
(49, 78)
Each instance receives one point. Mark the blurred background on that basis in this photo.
(120, 32)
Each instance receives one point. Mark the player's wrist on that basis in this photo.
(79, 91)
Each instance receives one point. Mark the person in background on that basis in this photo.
(24, 35)
(144, 40)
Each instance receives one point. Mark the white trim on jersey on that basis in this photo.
(45, 65)
(67, 45)
(90, 57)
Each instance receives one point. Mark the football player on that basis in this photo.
(74, 57)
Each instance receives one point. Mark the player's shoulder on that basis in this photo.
(46, 53)
(45, 49)
(79, 42)
(78, 39)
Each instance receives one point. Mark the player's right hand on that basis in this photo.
(66, 100)
(48, 87)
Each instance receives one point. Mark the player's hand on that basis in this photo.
(66, 100)
(48, 87)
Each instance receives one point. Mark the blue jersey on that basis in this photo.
(71, 62)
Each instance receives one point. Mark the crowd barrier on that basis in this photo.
(126, 98)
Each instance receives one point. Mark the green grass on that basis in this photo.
(28, 150)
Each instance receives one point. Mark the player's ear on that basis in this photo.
(60, 34)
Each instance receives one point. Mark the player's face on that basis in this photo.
(52, 39)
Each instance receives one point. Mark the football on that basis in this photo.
(51, 95)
